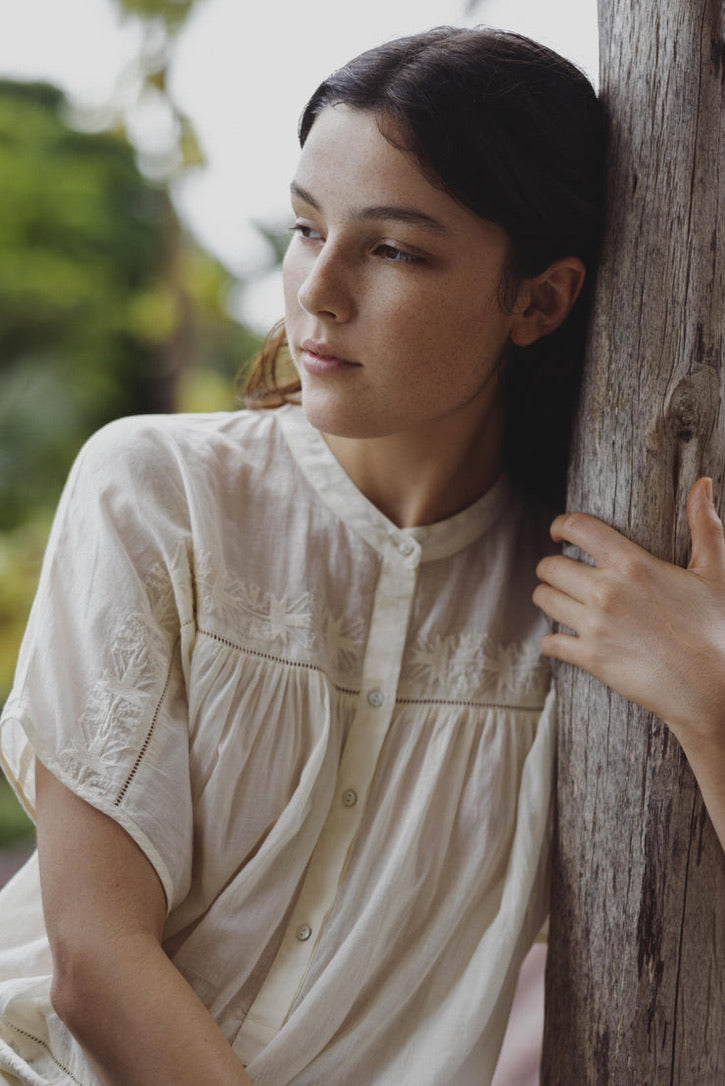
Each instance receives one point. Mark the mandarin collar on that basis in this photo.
(341, 495)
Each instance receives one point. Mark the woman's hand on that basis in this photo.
(651, 630)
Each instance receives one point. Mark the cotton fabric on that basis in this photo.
(332, 738)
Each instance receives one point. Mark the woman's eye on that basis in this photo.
(303, 230)
(397, 256)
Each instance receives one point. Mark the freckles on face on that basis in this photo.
(392, 288)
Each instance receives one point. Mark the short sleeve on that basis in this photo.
(99, 694)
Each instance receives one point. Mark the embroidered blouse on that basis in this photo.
(331, 737)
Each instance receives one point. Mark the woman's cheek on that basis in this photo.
(293, 276)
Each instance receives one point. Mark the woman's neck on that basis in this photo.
(428, 474)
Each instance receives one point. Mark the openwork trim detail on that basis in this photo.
(471, 704)
(43, 1044)
(301, 665)
(355, 692)
(141, 754)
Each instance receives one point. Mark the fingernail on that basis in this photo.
(708, 490)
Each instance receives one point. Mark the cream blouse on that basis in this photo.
(331, 737)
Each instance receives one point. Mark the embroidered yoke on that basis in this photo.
(331, 737)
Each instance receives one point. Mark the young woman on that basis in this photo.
(281, 711)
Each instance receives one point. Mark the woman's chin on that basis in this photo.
(332, 418)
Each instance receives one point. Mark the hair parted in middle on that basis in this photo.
(515, 133)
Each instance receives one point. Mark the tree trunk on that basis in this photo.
(635, 986)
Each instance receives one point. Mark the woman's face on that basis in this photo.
(392, 289)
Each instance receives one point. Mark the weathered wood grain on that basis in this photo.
(636, 976)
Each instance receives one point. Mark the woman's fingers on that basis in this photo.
(706, 530)
(568, 649)
(569, 576)
(610, 549)
(606, 545)
(560, 606)
(652, 630)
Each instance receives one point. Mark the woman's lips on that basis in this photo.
(320, 359)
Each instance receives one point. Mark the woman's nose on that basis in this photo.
(326, 289)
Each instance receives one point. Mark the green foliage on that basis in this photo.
(21, 552)
(172, 13)
(15, 826)
(103, 300)
(221, 345)
(82, 236)
(277, 237)
(161, 21)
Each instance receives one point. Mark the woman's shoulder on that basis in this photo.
(133, 436)
(176, 467)
(144, 447)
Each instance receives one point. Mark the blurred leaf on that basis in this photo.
(204, 390)
(21, 553)
(190, 150)
(15, 826)
(154, 316)
(158, 80)
(172, 13)
(276, 236)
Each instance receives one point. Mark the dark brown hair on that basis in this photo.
(514, 132)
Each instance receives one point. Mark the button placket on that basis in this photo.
(381, 671)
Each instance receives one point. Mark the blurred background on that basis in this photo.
(146, 149)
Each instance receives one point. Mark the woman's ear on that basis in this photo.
(545, 301)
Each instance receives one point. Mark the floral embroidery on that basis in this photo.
(466, 665)
(343, 638)
(515, 666)
(119, 707)
(247, 608)
(161, 596)
(442, 657)
(258, 619)
(286, 617)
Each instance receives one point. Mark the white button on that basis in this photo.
(349, 797)
(303, 933)
(406, 547)
(376, 699)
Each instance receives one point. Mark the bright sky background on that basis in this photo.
(242, 72)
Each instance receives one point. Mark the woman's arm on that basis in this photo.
(652, 631)
(130, 1009)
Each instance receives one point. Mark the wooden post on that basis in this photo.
(636, 976)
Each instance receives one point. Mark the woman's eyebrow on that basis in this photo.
(407, 215)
